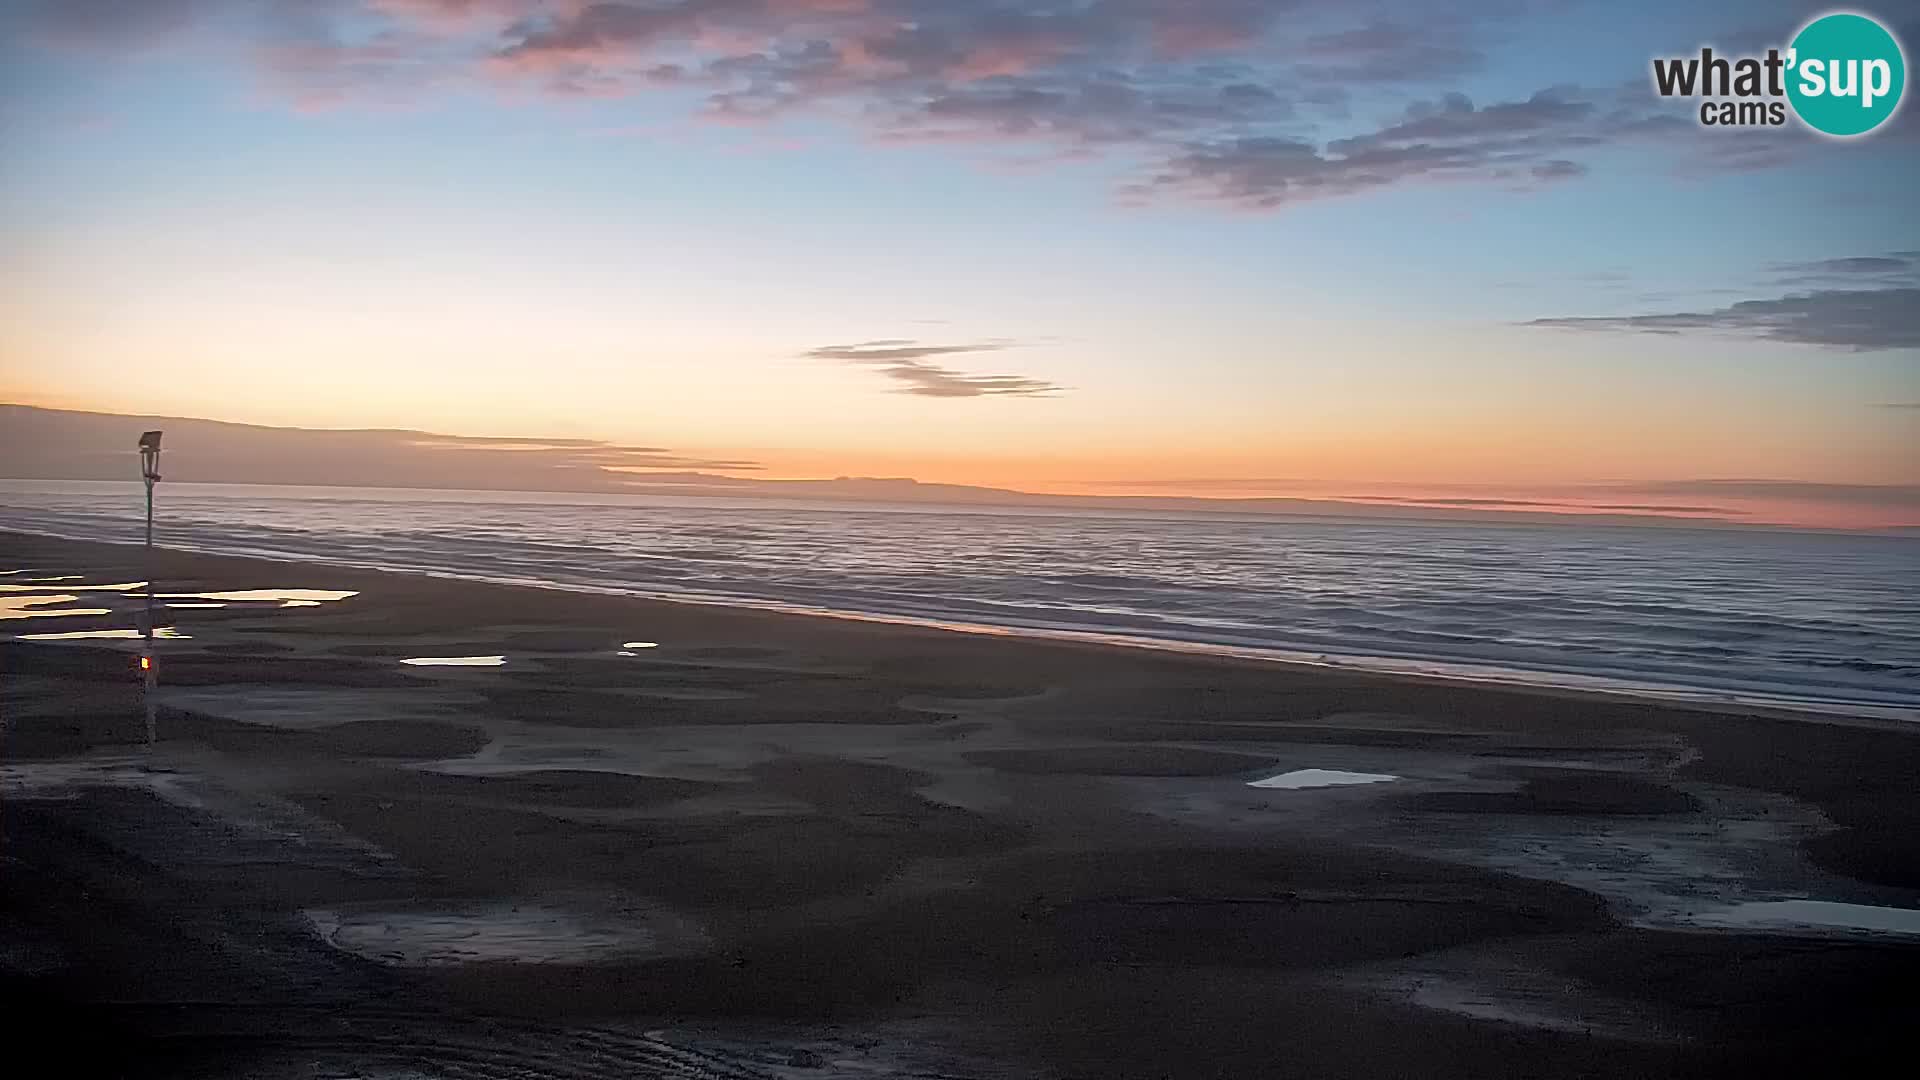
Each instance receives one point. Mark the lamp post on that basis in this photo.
(150, 473)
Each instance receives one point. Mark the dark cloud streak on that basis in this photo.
(104, 23)
(1857, 319)
(907, 362)
(1451, 139)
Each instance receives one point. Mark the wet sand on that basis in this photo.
(783, 846)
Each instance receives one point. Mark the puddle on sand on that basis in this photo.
(1810, 915)
(306, 708)
(125, 586)
(521, 934)
(166, 633)
(455, 661)
(1506, 991)
(1313, 778)
(35, 607)
(67, 779)
(286, 597)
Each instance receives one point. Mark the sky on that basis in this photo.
(1397, 250)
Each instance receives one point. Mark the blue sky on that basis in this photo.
(1218, 238)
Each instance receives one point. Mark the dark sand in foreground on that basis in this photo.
(781, 846)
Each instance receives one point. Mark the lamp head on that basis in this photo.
(150, 455)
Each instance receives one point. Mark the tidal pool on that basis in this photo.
(1313, 778)
(1811, 915)
(35, 607)
(284, 597)
(160, 633)
(524, 934)
(125, 586)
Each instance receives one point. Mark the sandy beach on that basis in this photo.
(406, 826)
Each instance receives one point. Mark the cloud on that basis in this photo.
(105, 23)
(1447, 139)
(1248, 104)
(1859, 319)
(1857, 264)
(456, 14)
(888, 350)
(323, 71)
(1558, 169)
(1854, 271)
(569, 453)
(1396, 51)
(906, 362)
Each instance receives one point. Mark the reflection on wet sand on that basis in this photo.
(33, 598)
(455, 661)
(35, 607)
(166, 632)
(125, 586)
(1812, 915)
(518, 933)
(1313, 778)
(286, 597)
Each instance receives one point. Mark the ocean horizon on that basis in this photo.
(1796, 618)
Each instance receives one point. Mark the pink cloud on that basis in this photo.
(1011, 57)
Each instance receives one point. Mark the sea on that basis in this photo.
(1820, 620)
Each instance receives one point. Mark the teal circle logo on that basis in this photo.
(1845, 74)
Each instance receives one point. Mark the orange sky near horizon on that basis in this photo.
(1517, 467)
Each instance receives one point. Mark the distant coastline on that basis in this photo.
(64, 445)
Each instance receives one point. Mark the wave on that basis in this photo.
(1812, 619)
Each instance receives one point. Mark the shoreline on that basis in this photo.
(1411, 669)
